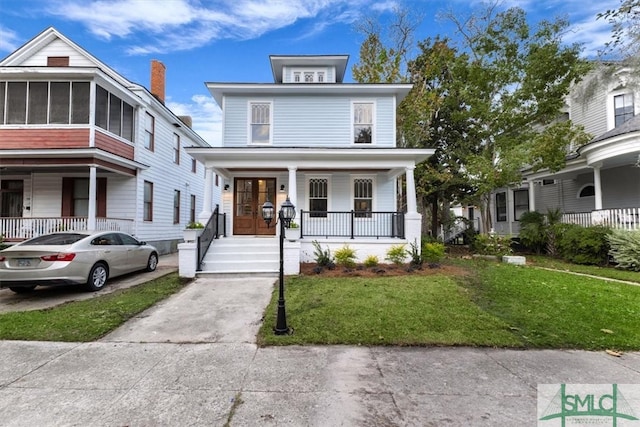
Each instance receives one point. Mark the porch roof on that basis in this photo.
(228, 159)
(47, 160)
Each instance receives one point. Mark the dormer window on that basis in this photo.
(296, 77)
(308, 77)
(320, 77)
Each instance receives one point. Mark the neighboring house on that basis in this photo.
(329, 146)
(600, 184)
(82, 147)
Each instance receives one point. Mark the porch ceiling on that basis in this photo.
(393, 160)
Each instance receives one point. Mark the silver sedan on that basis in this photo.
(78, 258)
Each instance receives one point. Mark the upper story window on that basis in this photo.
(363, 122)
(320, 77)
(149, 131)
(296, 77)
(260, 126)
(37, 103)
(308, 77)
(623, 108)
(113, 114)
(176, 149)
(194, 165)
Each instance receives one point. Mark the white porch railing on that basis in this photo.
(16, 228)
(627, 219)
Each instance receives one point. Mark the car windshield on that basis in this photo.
(56, 239)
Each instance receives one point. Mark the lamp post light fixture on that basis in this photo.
(285, 215)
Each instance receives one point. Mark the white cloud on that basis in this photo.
(177, 25)
(206, 116)
(8, 40)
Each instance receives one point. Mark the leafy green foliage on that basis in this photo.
(433, 252)
(485, 244)
(533, 231)
(397, 254)
(194, 225)
(371, 261)
(416, 255)
(345, 257)
(583, 245)
(625, 248)
(323, 257)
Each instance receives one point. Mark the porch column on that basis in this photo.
(412, 204)
(91, 214)
(208, 196)
(597, 185)
(293, 186)
(532, 196)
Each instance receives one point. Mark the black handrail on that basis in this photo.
(211, 232)
(351, 224)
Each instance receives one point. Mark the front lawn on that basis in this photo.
(496, 305)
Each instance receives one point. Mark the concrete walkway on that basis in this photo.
(192, 361)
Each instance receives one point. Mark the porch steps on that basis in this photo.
(242, 255)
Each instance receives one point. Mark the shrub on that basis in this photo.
(416, 256)
(194, 225)
(625, 249)
(371, 261)
(533, 233)
(323, 258)
(396, 254)
(485, 244)
(583, 245)
(346, 257)
(554, 216)
(433, 252)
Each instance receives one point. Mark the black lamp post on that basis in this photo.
(285, 215)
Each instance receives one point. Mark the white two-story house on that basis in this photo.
(82, 147)
(600, 184)
(327, 145)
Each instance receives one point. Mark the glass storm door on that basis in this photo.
(250, 195)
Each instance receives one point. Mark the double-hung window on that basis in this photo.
(176, 206)
(363, 197)
(501, 206)
(260, 126)
(176, 149)
(520, 203)
(318, 197)
(623, 108)
(149, 130)
(363, 122)
(147, 214)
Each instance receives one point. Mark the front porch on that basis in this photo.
(16, 229)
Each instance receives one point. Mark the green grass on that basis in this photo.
(609, 272)
(83, 321)
(498, 305)
(407, 310)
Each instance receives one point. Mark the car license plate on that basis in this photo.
(24, 262)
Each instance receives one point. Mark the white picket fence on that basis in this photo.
(15, 228)
(627, 219)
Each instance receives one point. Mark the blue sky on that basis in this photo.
(231, 40)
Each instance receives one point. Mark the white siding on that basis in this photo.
(321, 121)
(58, 48)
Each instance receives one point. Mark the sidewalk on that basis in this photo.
(192, 361)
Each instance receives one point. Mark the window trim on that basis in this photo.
(176, 206)
(373, 120)
(352, 194)
(307, 179)
(144, 202)
(516, 217)
(250, 104)
(176, 148)
(506, 210)
(578, 196)
(192, 208)
(611, 106)
(151, 132)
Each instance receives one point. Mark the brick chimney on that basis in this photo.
(157, 79)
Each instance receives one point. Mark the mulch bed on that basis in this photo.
(382, 270)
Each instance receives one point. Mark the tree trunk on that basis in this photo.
(485, 213)
(434, 215)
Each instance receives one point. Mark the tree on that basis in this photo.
(625, 29)
(513, 84)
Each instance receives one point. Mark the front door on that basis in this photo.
(250, 195)
(11, 198)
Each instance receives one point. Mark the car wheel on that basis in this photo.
(22, 289)
(97, 277)
(152, 263)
